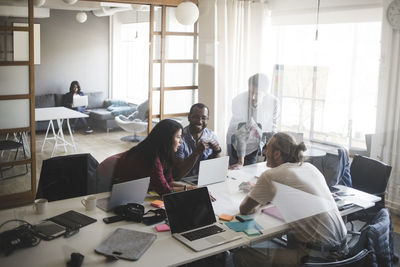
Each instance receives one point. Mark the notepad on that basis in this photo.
(244, 226)
(274, 212)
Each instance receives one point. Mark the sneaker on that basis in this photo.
(89, 130)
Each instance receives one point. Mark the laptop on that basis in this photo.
(192, 220)
(211, 171)
(80, 101)
(128, 192)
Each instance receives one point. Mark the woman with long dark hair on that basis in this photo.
(154, 157)
(75, 89)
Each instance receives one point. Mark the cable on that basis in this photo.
(21, 236)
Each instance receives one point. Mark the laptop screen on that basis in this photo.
(188, 210)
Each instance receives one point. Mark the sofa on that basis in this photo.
(101, 111)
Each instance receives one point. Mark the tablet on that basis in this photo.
(48, 230)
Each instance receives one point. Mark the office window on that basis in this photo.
(327, 88)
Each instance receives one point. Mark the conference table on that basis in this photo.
(165, 251)
(59, 114)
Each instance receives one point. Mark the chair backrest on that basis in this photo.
(369, 175)
(105, 171)
(334, 167)
(360, 259)
(67, 177)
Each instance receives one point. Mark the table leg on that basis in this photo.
(72, 136)
(60, 135)
(47, 132)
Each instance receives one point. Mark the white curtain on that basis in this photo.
(386, 142)
(239, 27)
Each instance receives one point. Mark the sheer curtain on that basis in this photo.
(386, 142)
(239, 27)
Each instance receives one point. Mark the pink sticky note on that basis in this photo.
(162, 227)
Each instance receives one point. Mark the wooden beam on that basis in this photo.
(13, 97)
(14, 63)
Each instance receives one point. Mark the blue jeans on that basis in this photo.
(83, 120)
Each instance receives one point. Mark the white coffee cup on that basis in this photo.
(40, 205)
(89, 202)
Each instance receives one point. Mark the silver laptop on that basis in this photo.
(128, 192)
(80, 101)
(192, 220)
(211, 171)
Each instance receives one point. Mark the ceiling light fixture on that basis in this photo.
(187, 13)
(39, 3)
(70, 2)
(81, 17)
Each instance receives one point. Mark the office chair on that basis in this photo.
(360, 259)
(67, 177)
(371, 176)
(10, 145)
(374, 246)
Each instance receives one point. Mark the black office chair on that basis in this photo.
(12, 146)
(363, 258)
(67, 177)
(374, 246)
(371, 176)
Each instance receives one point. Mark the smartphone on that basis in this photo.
(48, 230)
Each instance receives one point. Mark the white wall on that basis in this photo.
(72, 51)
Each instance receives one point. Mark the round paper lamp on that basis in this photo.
(81, 17)
(70, 2)
(187, 13)
(39, 3)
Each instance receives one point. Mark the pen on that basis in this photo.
(258, 229)
(233, 178)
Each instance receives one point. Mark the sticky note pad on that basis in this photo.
(162, 227)
(243, 226)
(157, 204)
(252, 232)
(225, 217)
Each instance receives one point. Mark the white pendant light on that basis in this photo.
(187, 13)
(81, 17)
(39, 3)
(70, 2)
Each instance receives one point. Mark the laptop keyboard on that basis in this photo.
(204, 232)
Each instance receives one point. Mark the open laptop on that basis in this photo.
(211, 171)
(80, 101)
(192, 220)
(128, 192)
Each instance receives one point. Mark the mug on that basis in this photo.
(89, 202)
(40, 205)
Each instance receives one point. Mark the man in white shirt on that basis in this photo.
(323, 235)
(253, 112)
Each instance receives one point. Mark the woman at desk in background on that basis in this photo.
(154, 157)
(75, 89)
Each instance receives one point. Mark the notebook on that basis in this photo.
(192, 220)
(211, 171)
(128, 192)
(80, 101)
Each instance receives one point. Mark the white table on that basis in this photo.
(165, 251)
(59, 114)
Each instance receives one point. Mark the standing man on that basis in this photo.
(199, 143)
(254, 112)
(323, 235)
